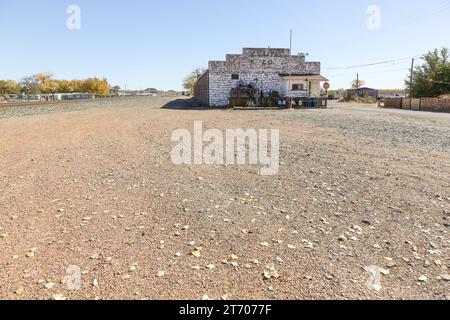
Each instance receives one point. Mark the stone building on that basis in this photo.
(270, 71)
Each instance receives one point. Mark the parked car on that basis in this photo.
(395, 95)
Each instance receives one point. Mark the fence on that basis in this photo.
(423, 104)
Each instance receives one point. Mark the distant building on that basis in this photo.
(363, 92)
(151, 90)
(172, 93)
(77, 96)
(339, 94)
(147, 92)
(269, 71)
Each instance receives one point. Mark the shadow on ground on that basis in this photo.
(184, 104)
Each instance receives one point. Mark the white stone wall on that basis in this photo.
(260, 67)
(315, 89)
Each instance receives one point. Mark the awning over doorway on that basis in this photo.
(316, 77)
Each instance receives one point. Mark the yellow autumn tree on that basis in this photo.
(46, 82)
(96, 86)
(65, 86)
(9, 87)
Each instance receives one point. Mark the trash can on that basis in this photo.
(317, 103)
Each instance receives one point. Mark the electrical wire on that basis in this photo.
(417, 19)
(406, 70)
(373, 64)
(434, 81)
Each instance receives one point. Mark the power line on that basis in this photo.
(419, 18)
(405, 69)
(381, 68)
(372, 64)
(440, 82)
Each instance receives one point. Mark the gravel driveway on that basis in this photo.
(90, 186)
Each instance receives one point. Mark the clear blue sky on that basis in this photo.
(156, 43)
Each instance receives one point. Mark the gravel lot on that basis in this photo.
(92, 185)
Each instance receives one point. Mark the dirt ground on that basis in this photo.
(91, 185)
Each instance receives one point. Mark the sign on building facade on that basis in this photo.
(264, 69)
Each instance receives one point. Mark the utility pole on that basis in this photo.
(357, 81)
(411, 79)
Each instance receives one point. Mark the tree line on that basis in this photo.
(432, 78)
(44, 83)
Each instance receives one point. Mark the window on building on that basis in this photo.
(234, 77)
(297, 87)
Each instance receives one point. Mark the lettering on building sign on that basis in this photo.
(262, 62)
(267, 54)
(267, 62)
